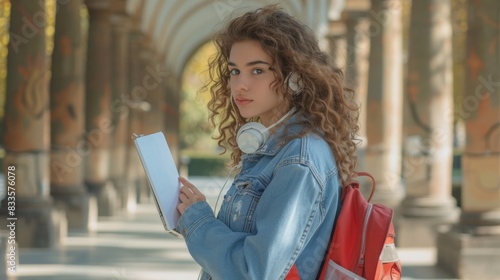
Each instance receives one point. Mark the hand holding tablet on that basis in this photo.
(189, 195)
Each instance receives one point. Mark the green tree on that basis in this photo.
(195, 128)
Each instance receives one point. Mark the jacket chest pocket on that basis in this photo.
(240, 203)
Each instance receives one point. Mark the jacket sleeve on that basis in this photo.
(284, 218)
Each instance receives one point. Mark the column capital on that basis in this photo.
(120, 22)
(355, 18)
(119, 6)
(385, 4)
(354, 15)
(337, 29)
(357, 5)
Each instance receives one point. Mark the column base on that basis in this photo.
(421, 231)
(388, 197)
(469, 256)
(419, 220)
(143, 191)
(121, 189)
(107, 198)
(431, 207)
(128, 192)
(131, 197)
(482, 221)
(81, 211)
(39, 226)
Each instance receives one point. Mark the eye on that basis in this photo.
(257, 71)
(234, 71)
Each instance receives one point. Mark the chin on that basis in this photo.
(247, 114)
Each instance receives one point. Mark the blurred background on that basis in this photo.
(78, 77)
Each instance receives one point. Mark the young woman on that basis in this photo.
(281, 108)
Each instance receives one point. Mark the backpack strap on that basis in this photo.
(362, 173)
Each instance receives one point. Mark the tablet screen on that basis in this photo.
(162, 175)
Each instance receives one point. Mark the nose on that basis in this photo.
(240, 83)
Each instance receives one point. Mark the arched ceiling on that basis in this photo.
(177, 28)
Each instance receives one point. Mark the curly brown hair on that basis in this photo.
(329, 108)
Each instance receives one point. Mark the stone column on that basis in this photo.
(470, 249)
(67, 120)
(135, 102)
(356, 70)
(172, 122)
(428, 127)
(150, 86)
(28, 205)
(158, 76)
(150, 120)
(98, 107)
(384, 104)
(119, 107)
(337, 44)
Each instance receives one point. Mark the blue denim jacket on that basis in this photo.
(279, 211)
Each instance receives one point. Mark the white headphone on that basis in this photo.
(293, 82)
(251, 136)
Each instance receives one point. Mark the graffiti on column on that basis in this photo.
(480, 109)
(66, 112)
(26, 108)
(67, 99)
(482, 98)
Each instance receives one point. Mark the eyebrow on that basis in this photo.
(251, 63)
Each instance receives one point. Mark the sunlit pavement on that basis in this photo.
(135, 246)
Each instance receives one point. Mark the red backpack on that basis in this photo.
(362, 244)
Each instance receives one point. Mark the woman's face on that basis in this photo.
(250, 81)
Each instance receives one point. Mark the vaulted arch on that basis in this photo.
(178, 28)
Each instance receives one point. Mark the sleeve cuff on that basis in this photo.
(193, 217)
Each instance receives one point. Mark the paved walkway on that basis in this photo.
(135, 247)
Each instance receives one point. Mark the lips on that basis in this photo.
(242, 101)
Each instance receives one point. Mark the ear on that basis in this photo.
(292, 81)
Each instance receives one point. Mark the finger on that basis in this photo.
(190, 186)
(183, 198)
(187, 191)
(184, 181)
(197, 198)
(197, 191)
(181, 208)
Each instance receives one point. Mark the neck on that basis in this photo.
(272, 126)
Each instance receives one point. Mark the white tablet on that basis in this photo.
(162, 175)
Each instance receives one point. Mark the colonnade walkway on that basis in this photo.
(136, 247)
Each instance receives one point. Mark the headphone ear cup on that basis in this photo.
(293, 82)
(251, 137)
